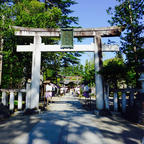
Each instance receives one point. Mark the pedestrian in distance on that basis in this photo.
(48, 93)
(86, 91)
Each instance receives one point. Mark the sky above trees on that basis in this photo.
(92, 14)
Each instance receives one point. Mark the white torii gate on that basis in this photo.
(39, 47)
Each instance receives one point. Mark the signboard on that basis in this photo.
(67, 38)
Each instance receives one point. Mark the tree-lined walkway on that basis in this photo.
(68, 123)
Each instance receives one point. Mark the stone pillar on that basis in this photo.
(28, 96)
(0, 67)
(98, 77)
(141, 112)
(141, 79)
(115, 101)
(106, 96)
(124, 102)
(19, 100)
(131, 99)
(4, 98)
(36, 73)
(11, 100)
(1, 57)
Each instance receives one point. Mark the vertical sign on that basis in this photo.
(67, 38)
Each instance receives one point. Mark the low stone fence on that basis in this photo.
(10, 95)
(120, 99)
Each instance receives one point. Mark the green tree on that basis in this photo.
(89, 73)
(72, 70)
(64, 5)
(32, 13)
(129, 15)
(114, 72)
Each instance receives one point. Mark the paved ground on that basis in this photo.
(68, 123)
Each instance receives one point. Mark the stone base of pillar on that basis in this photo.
(4, 112)
(32, 111)
(102, 113)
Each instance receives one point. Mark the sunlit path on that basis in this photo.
(68, 123)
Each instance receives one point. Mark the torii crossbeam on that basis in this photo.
(39, 47)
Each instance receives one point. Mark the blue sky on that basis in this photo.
(92, 14)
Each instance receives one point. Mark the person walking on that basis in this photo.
(48, 93)
(86, 91)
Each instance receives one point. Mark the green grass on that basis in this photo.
(16, 102)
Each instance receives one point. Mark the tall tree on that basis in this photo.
(64, 5)
(114, 72)
(129, 15)
(89, 72)
(72, 70)
(32, 13)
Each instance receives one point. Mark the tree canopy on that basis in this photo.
(129, 15)
(38, 14)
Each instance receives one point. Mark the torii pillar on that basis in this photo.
(98, 77)
(36, 63)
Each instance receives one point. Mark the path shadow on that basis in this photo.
(80, 126)
(15, 127)
(74, 125)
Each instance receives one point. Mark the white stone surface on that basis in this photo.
(36, 73)
(106, 96)
(19, 100)
(4, 98)
(28, 99)
(123, 102)
(57, 48)
(115, 101)
(98, 80)
(32, 100)
(11, 101)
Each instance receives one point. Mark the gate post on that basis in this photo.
(36, 73)
(123, 102)
(19, 100)
(4, 98)
(28, 94)
(11, 100)
(106, 96)
(115, 101)
(98, 77)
